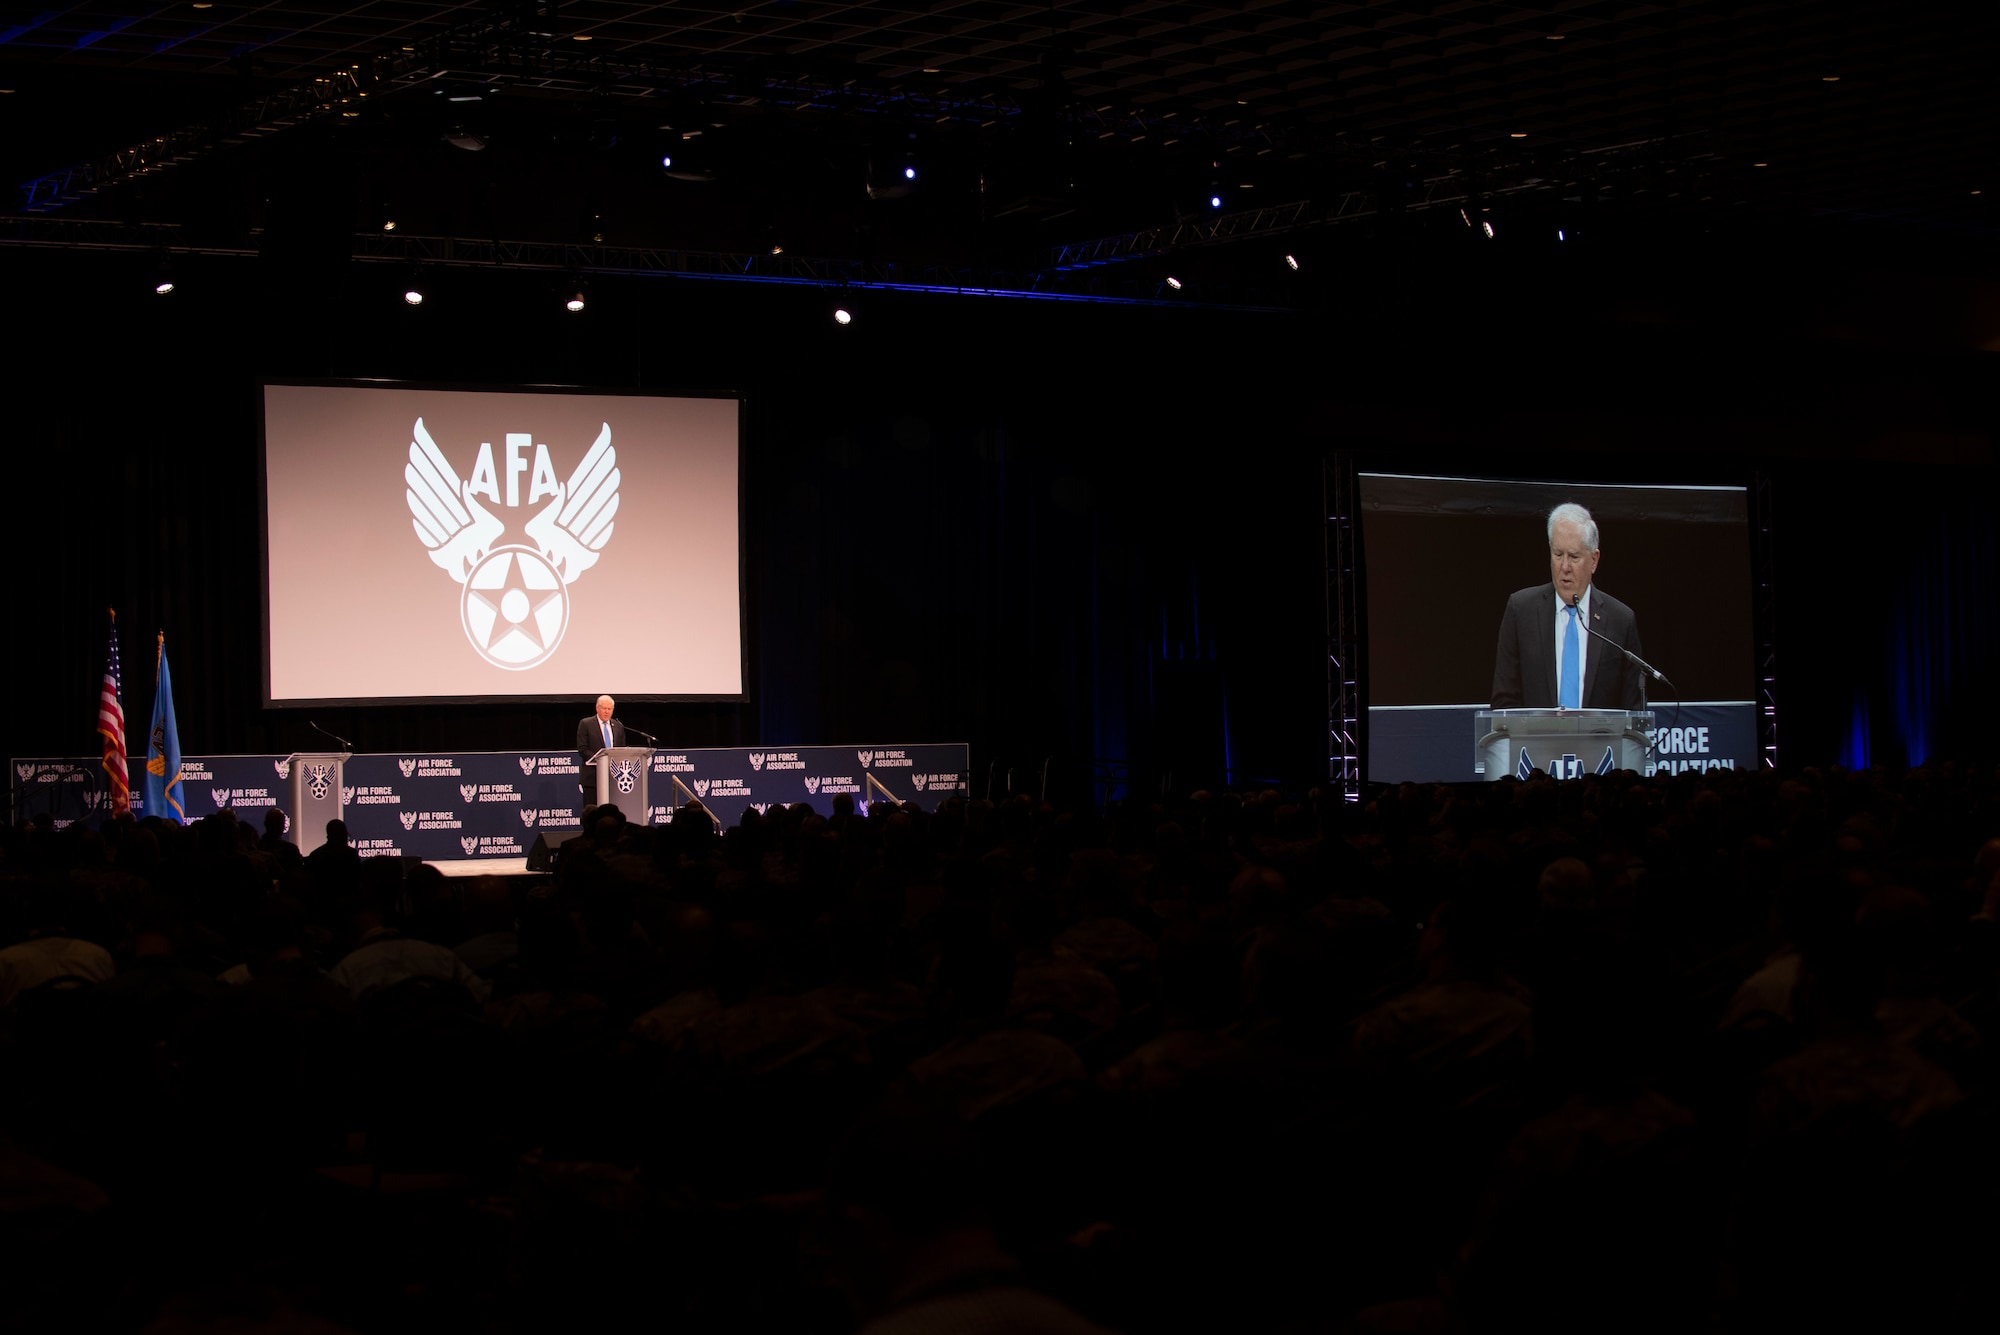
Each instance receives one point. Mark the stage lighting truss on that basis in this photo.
(516, 47)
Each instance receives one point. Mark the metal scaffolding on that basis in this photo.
(1343, 627)
(514, 48)
(1763, 559)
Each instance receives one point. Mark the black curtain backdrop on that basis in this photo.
(1052, 530)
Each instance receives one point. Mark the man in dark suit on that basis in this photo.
(1545, 658)
(593, 733)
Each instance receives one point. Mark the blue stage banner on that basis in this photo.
(730, 781)
(474, 804)
(64, 788)
(247, 785)
(493, 804)
(1434, 743)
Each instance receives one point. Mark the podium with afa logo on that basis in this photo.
(621, 780)
(316, 794)
(1566, 743)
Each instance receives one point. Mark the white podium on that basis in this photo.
(315, 779)
(621, 780)
(1567, 743)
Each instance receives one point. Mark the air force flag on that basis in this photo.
(163, 748)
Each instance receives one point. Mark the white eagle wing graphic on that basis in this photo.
(455, 527)
(573, 528)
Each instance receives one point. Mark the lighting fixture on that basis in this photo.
(1173, 282)
(1518, 134)
(842, 316)
(1215, 201)
(575, 302)
(164, 286)
(1487, 228)
(413, 297)
(909, 173)
(666, 160)
(1292, 261)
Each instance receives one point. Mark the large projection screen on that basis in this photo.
(1442, 556)
(462, 545)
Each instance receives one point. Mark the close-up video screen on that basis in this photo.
(1443, 557)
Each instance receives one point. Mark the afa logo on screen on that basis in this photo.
(513, 597)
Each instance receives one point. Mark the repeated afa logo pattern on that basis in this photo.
(514, 598)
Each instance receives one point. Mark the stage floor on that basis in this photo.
(481, 866)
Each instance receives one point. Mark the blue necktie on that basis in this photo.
(607, 733)
(1572, 675)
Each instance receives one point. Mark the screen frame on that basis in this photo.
(262, 383)
(1592, 468)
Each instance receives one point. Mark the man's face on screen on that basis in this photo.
(605, 705)
(1571, 564)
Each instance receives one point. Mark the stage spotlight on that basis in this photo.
(666, 160)
(388, 224)
(575, 303)
(842, 316)
(1487, 227)
(909, 173)
(164, 286)
(777, 250)
(1215, 201)
(1292, 262)
(413, 297)
(1173, 282)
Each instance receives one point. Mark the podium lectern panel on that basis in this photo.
(1566, 743)
(314, 779)
(621, 780)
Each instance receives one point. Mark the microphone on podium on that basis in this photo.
(345, 744)
(1575, 600)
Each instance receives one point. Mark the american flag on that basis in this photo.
(111, 727)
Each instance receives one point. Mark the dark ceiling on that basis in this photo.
(1143, 129)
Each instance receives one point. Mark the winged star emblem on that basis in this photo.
(514, 598)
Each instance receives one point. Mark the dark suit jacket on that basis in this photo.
(589, 741)
(1524, 664)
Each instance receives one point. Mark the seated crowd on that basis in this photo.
(1704, 1051)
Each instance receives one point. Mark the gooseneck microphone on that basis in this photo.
(636, 732)
(1645, 667)
(345, 745)
(1575, 600)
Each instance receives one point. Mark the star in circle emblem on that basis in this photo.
(514, 607)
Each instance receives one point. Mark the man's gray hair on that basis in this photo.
(1569, 512)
